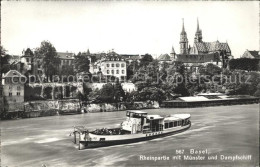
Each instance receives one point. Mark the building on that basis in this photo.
(130, 57)
(113, 65)
(164, 58)
(13, 91)
(201, 53)
(109, 64)
(28, 60)
(251, 54)
(67, 60)
(184, 48)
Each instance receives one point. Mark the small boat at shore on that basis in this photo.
(138, 126)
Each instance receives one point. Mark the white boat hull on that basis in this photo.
(89, 140)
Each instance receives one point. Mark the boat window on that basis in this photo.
(175, 123)
(166, 125)
(170, 124)
(179, 123)
(137, 115)
(127, 114)
(131, 114)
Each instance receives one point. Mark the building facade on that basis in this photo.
(66, 60)
(113, 65)
(13, 91)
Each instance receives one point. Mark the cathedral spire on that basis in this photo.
(198, 34)
(183, 40)
(173, 51)
(183, 29)
(88, 52)
(198, 27)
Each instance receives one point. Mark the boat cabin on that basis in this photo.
(176, 120)
(154, 123)
(141, 122)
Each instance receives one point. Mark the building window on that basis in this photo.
(112, 65)
(123, 71)
(18, 88)
(18, 94)
(27, 59)
(107, 65)
(10, 87)
(117, 65)
(107, 71)
(122, 65)
(117, 71)
(10, 94)
(112, 71)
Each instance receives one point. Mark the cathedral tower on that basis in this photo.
(198, 34)
(183, 40)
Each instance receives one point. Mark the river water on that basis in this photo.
(221, 131)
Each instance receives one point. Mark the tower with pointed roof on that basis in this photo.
(183, 40)
(173, 54)
(198, 34)
(88, 52)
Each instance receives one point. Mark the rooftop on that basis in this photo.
(65, 55)
(212, 46)
(164, 57)
(13, 73)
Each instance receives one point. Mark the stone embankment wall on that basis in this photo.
(103, 107)
(50, 107)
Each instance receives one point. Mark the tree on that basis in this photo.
(131, 69)
(119, 93)
(50, 58)
(67, 70)
(212, 69)
(106, 93)
(5, 66)
(244, 64)
(145, 60)
(82, 62)
(111, 93)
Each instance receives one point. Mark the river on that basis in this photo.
(222, 131)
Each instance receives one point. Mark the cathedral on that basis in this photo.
(201, 52)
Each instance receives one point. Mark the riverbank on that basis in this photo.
(191, 102)
(45, 108)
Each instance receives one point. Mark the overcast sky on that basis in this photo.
(127, 27)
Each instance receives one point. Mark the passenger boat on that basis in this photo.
(138, 126)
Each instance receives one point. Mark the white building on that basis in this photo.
(111, 65)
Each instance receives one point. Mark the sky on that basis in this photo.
(128, 27)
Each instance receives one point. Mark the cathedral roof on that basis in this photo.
(198, 58)
(206, 47)
(164, 57)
